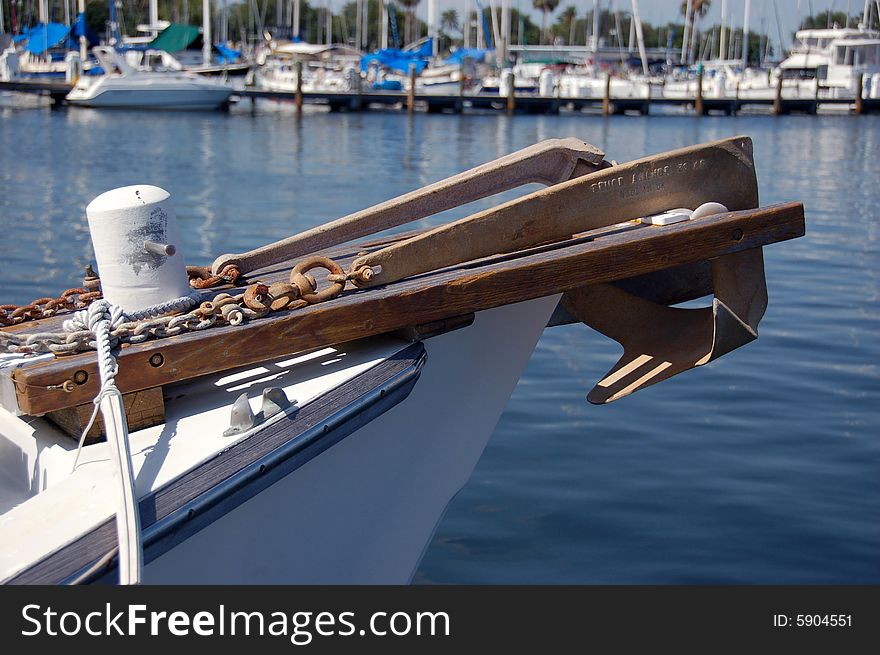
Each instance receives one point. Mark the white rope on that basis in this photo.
(100, 318)
(80, 320)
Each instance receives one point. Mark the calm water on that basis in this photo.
(763, 467)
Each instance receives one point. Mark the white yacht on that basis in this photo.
(835, 58)
(122, 85)
(823, 63)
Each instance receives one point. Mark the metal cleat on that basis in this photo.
(242, 418)
(274, 401)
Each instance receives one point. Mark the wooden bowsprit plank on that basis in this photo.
(432, 297)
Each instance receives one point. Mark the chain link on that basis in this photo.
(257, 301)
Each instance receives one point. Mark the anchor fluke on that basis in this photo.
(660, 341)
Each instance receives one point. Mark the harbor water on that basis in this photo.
(763, 467)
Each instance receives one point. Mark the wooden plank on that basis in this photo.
(143, 409)
(461, 290)
(342, 411)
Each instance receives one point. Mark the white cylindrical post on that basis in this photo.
(137, 247)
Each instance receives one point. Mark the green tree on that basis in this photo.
(410, 6)
(545, 7)
(449, 21)
(699, 10)
(568, 20)
(828, 19)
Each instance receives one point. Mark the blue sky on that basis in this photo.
(662, 11)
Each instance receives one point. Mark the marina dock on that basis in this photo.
(527, 104)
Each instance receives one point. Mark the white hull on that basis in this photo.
(153, 96)
(123, 86)
(362, 511)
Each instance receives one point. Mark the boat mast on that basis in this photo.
(595, 30)
(154, 18)
(745, 49)
(328, 31)
(206, 32)
(358, 22)
(83, 41)
(723, 43)
(505, 28)
(687, 25)
(383, 24)
(432, 27)
(640, 36)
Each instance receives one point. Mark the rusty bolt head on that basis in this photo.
(80, 377)
(156, 360)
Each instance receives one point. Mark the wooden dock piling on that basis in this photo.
(411, 93)
(860, 104)
(298, 97)
(699, 109)
(511, 94)
(606, 99)
(777, 99)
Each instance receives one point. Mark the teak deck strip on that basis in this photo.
(464, 289)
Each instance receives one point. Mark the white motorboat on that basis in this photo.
(278, 433)
(824, 63)
(123, 86)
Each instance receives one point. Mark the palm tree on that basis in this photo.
(545, 7)
(699, 10)
(569, 17)
(449, 20)
(410, 14)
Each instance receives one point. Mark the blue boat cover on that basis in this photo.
(42, 37)
(477, 54)
(399, 60)
(227, 55)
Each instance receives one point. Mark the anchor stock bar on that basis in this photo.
(721, 171)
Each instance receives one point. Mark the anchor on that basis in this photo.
(584, 193)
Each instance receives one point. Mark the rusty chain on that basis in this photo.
(72, 299)
(256, 301)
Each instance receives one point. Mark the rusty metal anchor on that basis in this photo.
(549, 162)
(661, 341)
